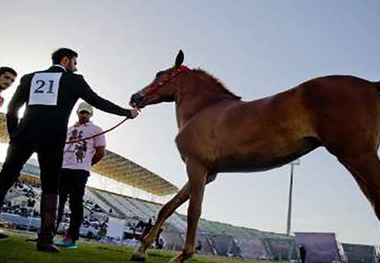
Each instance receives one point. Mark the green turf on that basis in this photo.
(16, 249)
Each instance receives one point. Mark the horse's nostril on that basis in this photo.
(133, 98)
(136, 99)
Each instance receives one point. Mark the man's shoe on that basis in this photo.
(67, 243)
(47, 247)
(3, 237)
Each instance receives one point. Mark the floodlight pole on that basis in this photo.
(288, 225)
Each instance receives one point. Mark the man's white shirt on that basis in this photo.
(78, 155)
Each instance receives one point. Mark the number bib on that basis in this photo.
(44, 89)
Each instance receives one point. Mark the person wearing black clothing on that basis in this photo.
(50, 96)
(7, 77)
(302, 253)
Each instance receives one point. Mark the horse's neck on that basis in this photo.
(191, 101)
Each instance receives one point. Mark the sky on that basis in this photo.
(256, 48)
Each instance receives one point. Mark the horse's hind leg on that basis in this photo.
(366, 171)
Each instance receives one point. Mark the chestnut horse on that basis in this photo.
(218, 132)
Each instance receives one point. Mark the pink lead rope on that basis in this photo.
(96, 135)
(151, 91)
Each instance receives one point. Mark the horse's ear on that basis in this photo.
(179, 59)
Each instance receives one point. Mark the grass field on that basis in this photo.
(16, 249)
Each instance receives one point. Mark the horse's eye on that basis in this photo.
(159, 74)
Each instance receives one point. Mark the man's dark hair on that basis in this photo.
(60, 53)
(7, 69)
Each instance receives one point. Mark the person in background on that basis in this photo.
(77, 160)
(7, 77)
(302, 250)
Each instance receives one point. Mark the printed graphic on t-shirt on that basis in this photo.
(78, 149)
(79, 155)
(44, 89)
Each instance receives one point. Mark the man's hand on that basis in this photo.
(134, 112)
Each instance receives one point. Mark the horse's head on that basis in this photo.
(163, 86)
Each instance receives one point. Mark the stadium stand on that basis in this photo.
(320, 247)
(108, 202)
(224, 245)
(173, 240)
(204, 245)
(281, 247)
(251, 247)
(360, 253)
(128, 212)
(93, 198)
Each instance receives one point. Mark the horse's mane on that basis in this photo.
(216, 83)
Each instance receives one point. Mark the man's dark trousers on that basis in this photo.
(73, 183)
(50, 155)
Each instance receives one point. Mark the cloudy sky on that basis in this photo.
(256, 48)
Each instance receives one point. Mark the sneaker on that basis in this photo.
(3, 237)
(67, 243)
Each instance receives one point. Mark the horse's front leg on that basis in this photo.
(166, 211)
(197, 181)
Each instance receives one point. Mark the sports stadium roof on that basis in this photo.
(118, 168)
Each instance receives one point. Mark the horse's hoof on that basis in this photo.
(138, 256)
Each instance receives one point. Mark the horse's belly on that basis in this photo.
(263, 156)
(253, 165)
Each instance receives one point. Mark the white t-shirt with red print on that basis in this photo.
(78, 155)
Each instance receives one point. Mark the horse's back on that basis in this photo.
(336, 112)
(344, 111)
